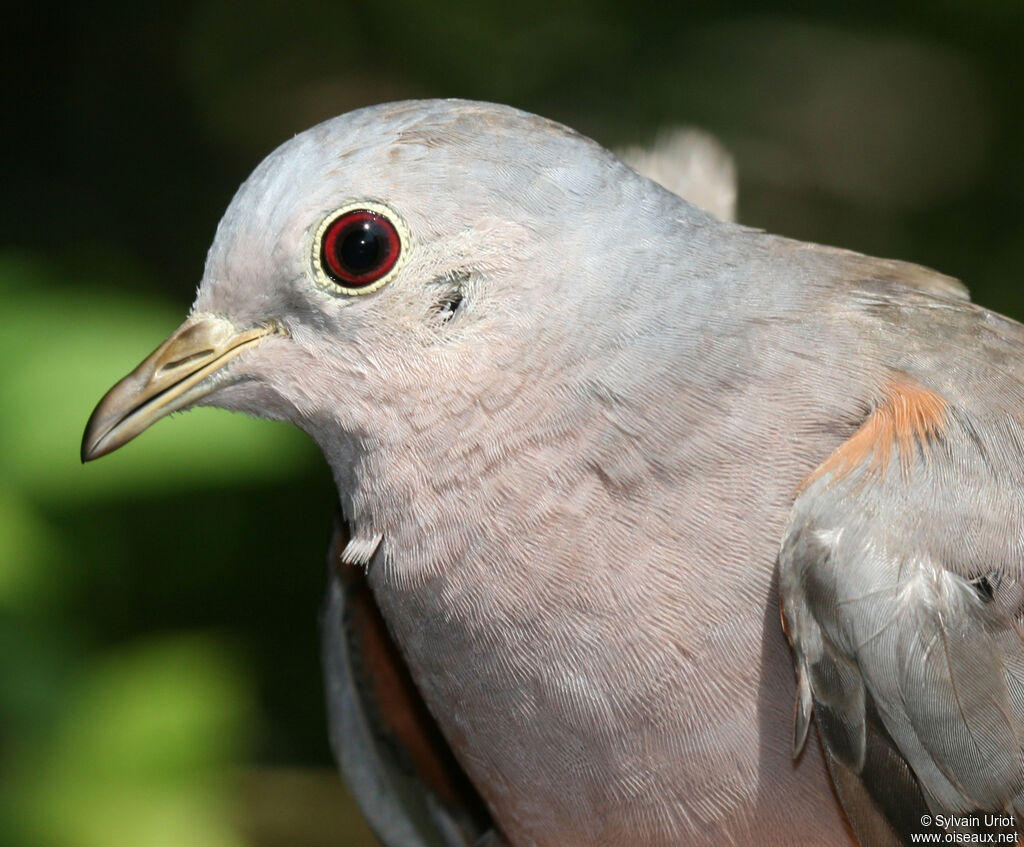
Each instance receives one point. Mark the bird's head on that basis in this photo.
(394, 257)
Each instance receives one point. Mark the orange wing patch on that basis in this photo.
(909, 415)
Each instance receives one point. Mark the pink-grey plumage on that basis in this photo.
(570, 437)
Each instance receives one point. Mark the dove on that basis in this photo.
(588, 441)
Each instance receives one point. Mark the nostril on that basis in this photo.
(186, 360)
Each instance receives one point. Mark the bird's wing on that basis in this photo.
(901, 590)
(692, 164)
(396, 764)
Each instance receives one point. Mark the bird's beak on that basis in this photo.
(173, 376)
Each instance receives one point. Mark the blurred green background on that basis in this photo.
(159, 677)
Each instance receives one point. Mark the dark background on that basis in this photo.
(159, 678)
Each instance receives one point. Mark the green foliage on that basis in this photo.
(106, 744)
(137, 752)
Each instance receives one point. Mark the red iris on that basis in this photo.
(359, 247)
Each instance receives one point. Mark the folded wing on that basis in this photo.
(901, 594)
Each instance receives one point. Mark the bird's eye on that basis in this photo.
(358, 248)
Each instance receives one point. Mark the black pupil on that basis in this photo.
(362, 248)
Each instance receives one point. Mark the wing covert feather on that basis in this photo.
(911, 659)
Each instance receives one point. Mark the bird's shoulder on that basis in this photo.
(901, 578)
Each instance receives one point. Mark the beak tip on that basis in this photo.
(93, 437)
(96, 448)
(87, 454)
(87, 451)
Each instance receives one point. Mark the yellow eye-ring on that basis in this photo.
(359, 248)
